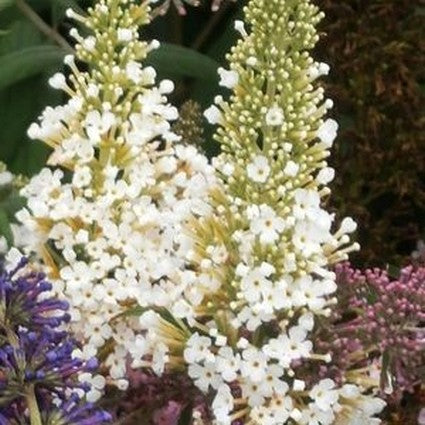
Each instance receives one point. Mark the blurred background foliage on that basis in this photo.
(376, 50)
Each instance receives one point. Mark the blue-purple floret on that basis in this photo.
(20, 301)
(35, 351)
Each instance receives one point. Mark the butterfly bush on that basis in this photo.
(108, 211)
(42, 378)
(380, 320)
(262, 256)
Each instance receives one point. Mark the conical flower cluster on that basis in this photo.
(262, 257)
(109, 211)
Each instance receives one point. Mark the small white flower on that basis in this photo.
(69, 60)
(76, 274)
(252, 61)
(306, 203)
(134, 71)
(204, 376)
(306, 321)
(166, 86)
(298, 385)
(318, 69)
(327, 132)
(6, 177)
(213, 115)
(325, 175)
(218, 253)
(97, 332)
(263, 415)
(92, 90)
(348, 225)
(253, 392)
(240, 28)
(272, 383)
(228, 363)
(228, 79)
(97, 124)
(253, 317)
(259, 169)
(153, 45)
(255, 285)
(324, 394)
(116, 362)
(82, 177)
(58, 81)
(291, 169)
(124, 34)
(228, 169)
(89, 43)
(350, 391)
(198, 349)
(253, 365)
(97, 384)
(70, 13)
(3, 245)
(13, 257)
(287, 348)
(267, 224)
(281, 407)
(159, 358)
(315, 416)
(223, 402)
(274, 116)
(324, 68)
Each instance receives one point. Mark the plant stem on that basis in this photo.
(42, 26)
(209, 27)
(32, 404)
(35, 417)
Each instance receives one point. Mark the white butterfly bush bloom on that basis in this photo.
(248, 335)
(108, 212)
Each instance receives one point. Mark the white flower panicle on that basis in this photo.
(262, 257)
(108, 215)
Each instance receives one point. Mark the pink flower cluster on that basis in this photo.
(379, 323)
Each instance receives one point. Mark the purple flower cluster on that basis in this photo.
(38, 372)
(379, 320)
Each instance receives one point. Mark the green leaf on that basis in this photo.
(20, 104)
(5, 229)
(135, 311)
(11, 202)
(393, 271)
(186, 416)
(386, 376)
(371, 295)
(28, 62)
(172, 60)
(5, 4)
(21, 33)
